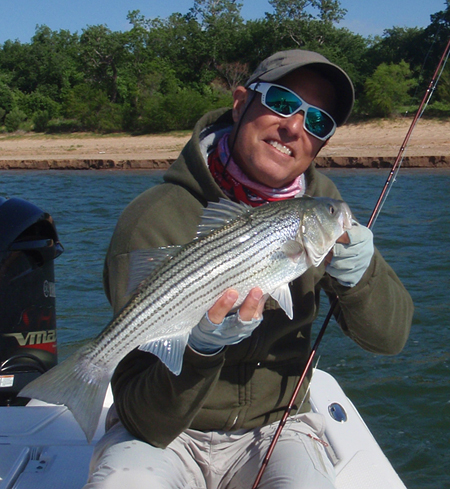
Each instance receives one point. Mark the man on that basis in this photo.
(210, 426)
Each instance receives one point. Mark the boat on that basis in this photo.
(42, 445)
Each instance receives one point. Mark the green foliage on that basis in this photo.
(163, 74)
(178, 110)
(397, 44)
(14, 120)
(38, 102)
(443, 87)
(388, 89)
(41, 120)
(63, 126)
(439, 110)
(6, 98)
(93, 110)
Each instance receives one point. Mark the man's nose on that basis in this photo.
(293, 125)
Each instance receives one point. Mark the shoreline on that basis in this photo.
(163, 164)
(371, 144)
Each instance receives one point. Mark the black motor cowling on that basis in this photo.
(28, 246)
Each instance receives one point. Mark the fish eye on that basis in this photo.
(331, 209)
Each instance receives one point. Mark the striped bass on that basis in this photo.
(236, 247)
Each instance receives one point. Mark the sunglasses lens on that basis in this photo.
(282, 101)
(318, 123)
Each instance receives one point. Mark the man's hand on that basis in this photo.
(251, 308)
(219, 328)
(351, 255)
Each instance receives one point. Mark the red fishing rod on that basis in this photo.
(377, 209)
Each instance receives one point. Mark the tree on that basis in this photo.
(234, 74)
(93, 110)
(222, 23)
(102, 52)
(433, 41)
(47, 64)
(212, 12)
(330, 11)
(396, 44)
(388, 89)
(181, 41)
(292, 18)
(6, 99)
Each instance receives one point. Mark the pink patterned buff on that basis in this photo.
(237, 186)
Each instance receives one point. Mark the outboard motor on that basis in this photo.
(28, 245)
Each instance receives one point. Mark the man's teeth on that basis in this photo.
(281, 147)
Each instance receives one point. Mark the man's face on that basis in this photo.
(271, 149)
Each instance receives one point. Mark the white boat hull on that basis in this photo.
(42, 446)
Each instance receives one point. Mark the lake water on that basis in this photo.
(405, 399)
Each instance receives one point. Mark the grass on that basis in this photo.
(84, 135)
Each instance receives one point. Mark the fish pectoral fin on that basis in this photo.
(283, 296)
(293, 250)
(144, 262)
(169, 350)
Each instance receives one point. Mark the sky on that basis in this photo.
(19, 18)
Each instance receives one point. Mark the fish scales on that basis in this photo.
(212, 255)
(266, 247)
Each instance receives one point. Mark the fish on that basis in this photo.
(237, 247)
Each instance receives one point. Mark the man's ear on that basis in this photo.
(240, 96)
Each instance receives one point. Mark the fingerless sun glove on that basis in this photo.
(350, 261)
(209, 338)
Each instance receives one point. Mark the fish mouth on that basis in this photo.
(346, 219)
(280, 147)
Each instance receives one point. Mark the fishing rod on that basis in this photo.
(376, 211)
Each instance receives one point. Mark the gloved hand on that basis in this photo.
(209, 338)
(223, 326)
(350, 261)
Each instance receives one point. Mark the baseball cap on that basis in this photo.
(282, 63)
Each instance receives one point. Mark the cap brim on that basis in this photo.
(345, 94)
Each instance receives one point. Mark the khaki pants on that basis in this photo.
(215, 460)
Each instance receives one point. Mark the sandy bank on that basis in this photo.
(371, 145)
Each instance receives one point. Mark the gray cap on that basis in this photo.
(282, 63)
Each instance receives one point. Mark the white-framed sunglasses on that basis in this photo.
(285, 102)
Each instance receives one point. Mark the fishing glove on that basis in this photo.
(209, 338)
(350, 261)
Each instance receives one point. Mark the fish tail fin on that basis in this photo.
(76, 383)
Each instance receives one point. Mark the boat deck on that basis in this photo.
(42, 446)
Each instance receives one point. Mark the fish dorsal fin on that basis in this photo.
(293, 249)
(144, 262)
(283, 296)
(169, 350)
(217, 214)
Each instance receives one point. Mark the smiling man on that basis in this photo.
(275, 150)
(210, 426)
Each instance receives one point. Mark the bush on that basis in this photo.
(14, 120)
(36, 102)
(6, 97)
(179, 110)
(92, 109)
(440, 110)
(63, 125)
(388, 89)
(41, 120)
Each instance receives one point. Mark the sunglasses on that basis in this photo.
(285, 102)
